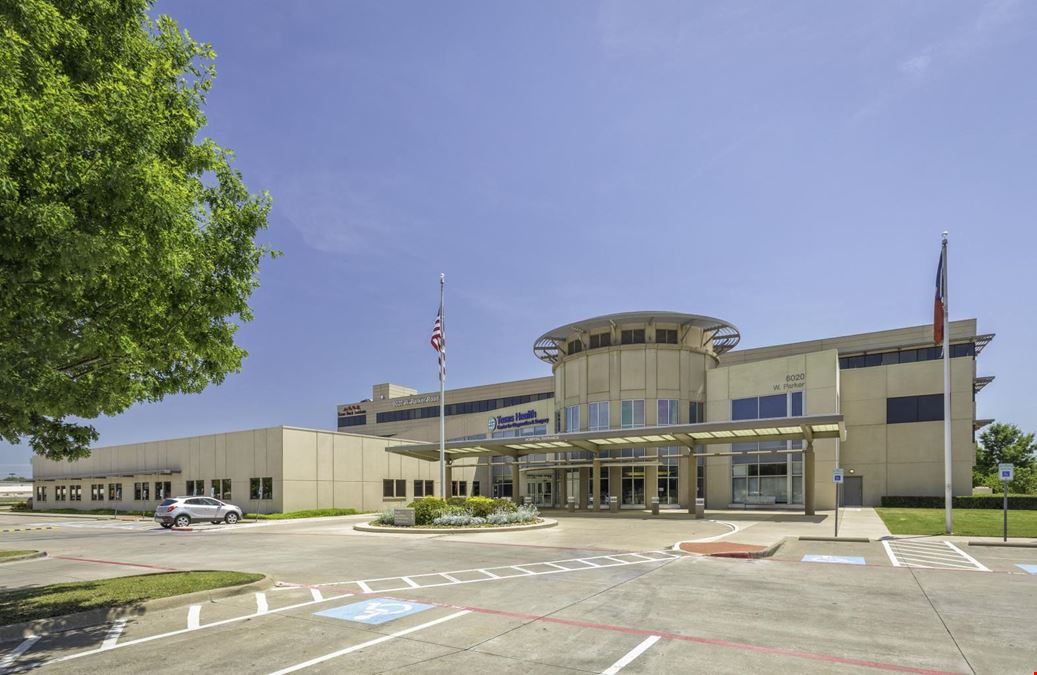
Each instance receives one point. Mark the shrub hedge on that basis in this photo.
(1021, 502)
(427, 509)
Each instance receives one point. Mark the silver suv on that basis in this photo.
(182, 511)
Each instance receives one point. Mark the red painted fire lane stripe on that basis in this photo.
(116, 562)
(729, 644)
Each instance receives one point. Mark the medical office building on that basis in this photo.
(638, 405)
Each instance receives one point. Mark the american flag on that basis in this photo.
(941, 299)
(439, 343)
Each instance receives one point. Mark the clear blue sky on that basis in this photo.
(785, 166)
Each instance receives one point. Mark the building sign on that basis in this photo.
(351, 409)
(793, 382)
(520, 419)
(415, 400)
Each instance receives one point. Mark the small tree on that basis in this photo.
(1002, 443)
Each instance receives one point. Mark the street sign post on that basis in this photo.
(1006, 472)
(837, 478)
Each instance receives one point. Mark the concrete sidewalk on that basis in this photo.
(764, 528)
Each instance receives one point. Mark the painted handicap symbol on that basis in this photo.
(374, 611)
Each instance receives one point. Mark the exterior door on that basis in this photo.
(853, 491)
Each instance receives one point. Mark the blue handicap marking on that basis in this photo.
(1029, 569)
(375, 611)
(842, 559)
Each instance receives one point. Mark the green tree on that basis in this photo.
(1000, 443)
(127, 243)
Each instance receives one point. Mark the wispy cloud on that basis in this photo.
(917, 65)
(339, 212)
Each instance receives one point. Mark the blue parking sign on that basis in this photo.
(375, 611)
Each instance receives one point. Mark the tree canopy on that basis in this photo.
(1006, 443)
(127, 243)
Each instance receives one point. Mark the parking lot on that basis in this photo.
(590, 595)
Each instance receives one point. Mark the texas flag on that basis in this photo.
(941, 298)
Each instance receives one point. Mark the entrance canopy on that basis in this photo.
(808, 429)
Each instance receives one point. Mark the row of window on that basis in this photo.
(902, 409)
(463, 408)
(259, 488)
(905, 356)
(633, 336)
(632, 414)
(352, 421)
(397, 488)
(762, 407)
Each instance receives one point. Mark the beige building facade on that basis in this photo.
(628, 371)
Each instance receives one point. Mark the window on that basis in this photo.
(905, 356)
(903, 409)
(195, 488)
(572, 418)
(424, 488)
(163, 489)
(667, 409)
(796, 404)
(696, 412)
(601, 340)
(59, 493)
(97, 492)
(394, 489)
(459, 488)
(75, 493)
(632, 413)
(574, 347)
(219, 488)
(635, 336)
(666, 336)
(41, 493)
(598, 416)
(352, 421)
(114, 492)
(463, 408)
(255, 488)
(475, 489)
(140, 492)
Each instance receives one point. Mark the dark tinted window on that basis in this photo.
(773, 406)
(745, 409)
(352, 420)
(166, 502)
(195, 502)
(857, 361)
(601, 340)
(634, 336)
(909, 356)
(666, 336)
(575, 347)
(797, 404)
(872, 360)
(901, 409)
(890, 358)
(930, 408)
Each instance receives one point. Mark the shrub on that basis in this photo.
(22, 506)
(994, 501)
(456, 501)
(504, 505)
(459, 519)
(427, 509)
(521, 514)
(388, 517)
(481, 506)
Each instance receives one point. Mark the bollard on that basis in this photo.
(572, 504)
(614, 504)
(655, 506)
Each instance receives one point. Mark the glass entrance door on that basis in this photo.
(633, 485)
(540, 489)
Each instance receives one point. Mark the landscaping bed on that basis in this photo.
(433, 513)
(14, 554)
(310, 513)
(42, 602)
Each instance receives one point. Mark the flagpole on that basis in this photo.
(442, 393)
(948, 472)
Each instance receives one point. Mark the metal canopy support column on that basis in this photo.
(808, 478)
(581, 487)
(595, 484)
(515, 479)
(693, 482)
(688, 468)
(448, 479)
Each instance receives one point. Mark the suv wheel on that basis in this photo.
(231, 518)
(182, 521)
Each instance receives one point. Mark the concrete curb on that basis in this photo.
(27, 556)
(368, 527)
(93, 617)
(1006, 544)
(45, 514)
(858, 540)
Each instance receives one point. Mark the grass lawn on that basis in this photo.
(11, 554)
(312, 513)
(967, 522)
(41, 602)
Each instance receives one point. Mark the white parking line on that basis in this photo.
(411, 582)
(370, 643)
(261, 605)
(113, 634)
(930, 554)
(317, 595)
(630, 656)
(28, 642)
(194, 617)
